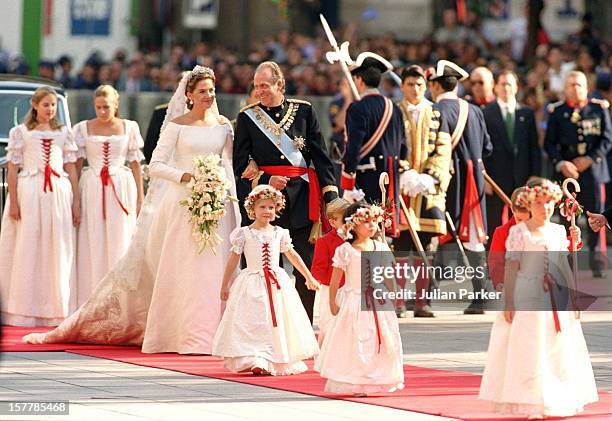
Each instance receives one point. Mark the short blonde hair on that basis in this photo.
(107, 91)
(337, 207)
(576, 74)
(277, 73)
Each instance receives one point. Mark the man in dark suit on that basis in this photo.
(516, 154)
(282, 136)
(154, 129)
(578, 139)
(375, 137)
(464, 124)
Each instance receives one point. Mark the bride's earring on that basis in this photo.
(190, 103)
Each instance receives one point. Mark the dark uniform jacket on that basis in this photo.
(362, 120)
(473, 145)
(251, 143)
(574, 132)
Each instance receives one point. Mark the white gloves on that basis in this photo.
(412, 183)
(353, 196)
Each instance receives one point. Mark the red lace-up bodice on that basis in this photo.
(46, 145)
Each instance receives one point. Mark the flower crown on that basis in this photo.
(372, 213)
(263, 192)
(547, 190)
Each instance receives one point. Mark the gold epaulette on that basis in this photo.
(249, 106)
(161, 106)
(551, 107)
(299, 101)
(603, 103)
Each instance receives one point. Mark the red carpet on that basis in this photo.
(11, 342)
(436, 392)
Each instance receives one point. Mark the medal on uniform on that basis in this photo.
(299, 142)
(581, 148)
(575, 116)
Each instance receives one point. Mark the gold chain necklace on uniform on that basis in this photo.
(284, 124)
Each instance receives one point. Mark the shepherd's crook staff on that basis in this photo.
(571, 205)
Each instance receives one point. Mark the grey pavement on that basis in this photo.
(101, 389)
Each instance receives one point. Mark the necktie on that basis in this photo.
(509, 126)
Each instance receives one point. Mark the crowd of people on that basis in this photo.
(302, 58)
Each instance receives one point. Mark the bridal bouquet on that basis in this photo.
(206, 202)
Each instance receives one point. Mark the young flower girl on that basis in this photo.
(265, 328)
(362, 350)
(538, 364)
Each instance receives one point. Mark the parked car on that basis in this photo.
(15, 95)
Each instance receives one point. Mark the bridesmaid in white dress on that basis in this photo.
(111, 193)
(538, 363)
(362, 349)
(162, 293)
(37, 242)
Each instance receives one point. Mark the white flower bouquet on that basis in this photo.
(207, 200)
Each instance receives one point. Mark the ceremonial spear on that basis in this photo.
(341, 55)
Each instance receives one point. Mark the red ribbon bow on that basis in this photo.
(108, 180)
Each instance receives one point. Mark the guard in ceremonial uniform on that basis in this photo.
(463, 124)
(578, 139)
(282, 136)
(424, 175)
(375, 138)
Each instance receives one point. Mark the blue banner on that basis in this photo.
(90, 17)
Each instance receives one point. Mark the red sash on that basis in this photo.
(108, 180)
(315, 210)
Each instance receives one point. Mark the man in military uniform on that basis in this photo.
(375, 136)
(282, 136)
(463, 125)
(425, 178)
(578, 139)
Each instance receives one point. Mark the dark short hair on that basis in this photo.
(448, 83)
(507, 72)
(412, 71)
(371, 76)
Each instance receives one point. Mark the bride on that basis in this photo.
(163, 294)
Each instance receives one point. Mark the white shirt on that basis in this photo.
(414, 110)
(507, 107)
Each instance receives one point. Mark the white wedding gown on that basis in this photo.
(162, 293)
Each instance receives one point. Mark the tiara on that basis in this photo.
(201, 70)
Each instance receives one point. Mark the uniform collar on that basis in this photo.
(576, 104)
(281, 106)
(484, 101)
(370, 91)
(447, 95)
